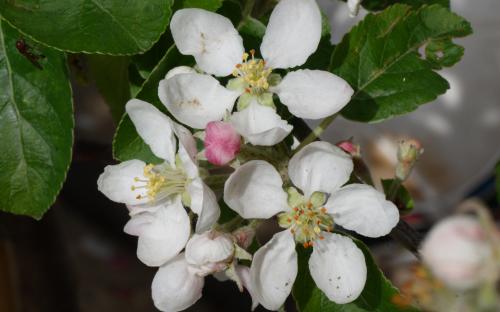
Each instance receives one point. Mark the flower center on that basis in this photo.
(307, 221)
(160, 182)
(254, 72)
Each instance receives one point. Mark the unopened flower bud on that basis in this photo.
(408, 153)
(222, 142)
(349, 147)
(458, 252)
(244, 236)
(209, 252)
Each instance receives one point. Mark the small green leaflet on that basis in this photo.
(36, 126)
(380, 59)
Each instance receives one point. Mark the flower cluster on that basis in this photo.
(305, 189)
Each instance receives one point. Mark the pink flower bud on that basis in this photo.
(222, 142)
(244, 236)
(349, 147)
(457, 251)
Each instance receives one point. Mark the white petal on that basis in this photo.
(165, 236)
(273, 270)
(186, 141)
(338, 267)
(117, 180)
(138, 223)
(292, 34)
(260, 125)
(211, 38)
(363, 209)
(174, 288)
(187, 152)
(255, 190)
(353, 6)
(204, 204)
(209, 247)
(154, 127)
(313, 94)
(244, 275)
(179, 70)
(138, 209)
(320, 167)
(196, 99)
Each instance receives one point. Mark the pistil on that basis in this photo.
(254, 73)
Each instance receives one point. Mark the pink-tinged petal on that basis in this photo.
(457, 251)
(222, 142)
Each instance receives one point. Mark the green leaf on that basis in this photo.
(403, 199)
(36, 123)
(443, 53)
(377, 295)
(110, 74)
(146, 62)
(91, 26)
(127, 144)
(211, 5)
(377, 5)
(380, 59)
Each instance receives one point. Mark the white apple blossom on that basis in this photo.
(156, 194)
(255, 190)
(178, 284)
(292, 35)
(457, 251)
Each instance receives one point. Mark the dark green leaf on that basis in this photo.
(110, 74)
(36, 123)
(377, 295)
(233, 10)
(226, 214)
(380, 60)
(127, 144)
(92, 26)
(211, 5)
(377, 5)
(146, 62)
(403, 199)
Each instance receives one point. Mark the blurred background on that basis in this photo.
(77, 258)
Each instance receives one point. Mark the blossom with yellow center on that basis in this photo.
(307, 212)
(157, 194)
(291, 36)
